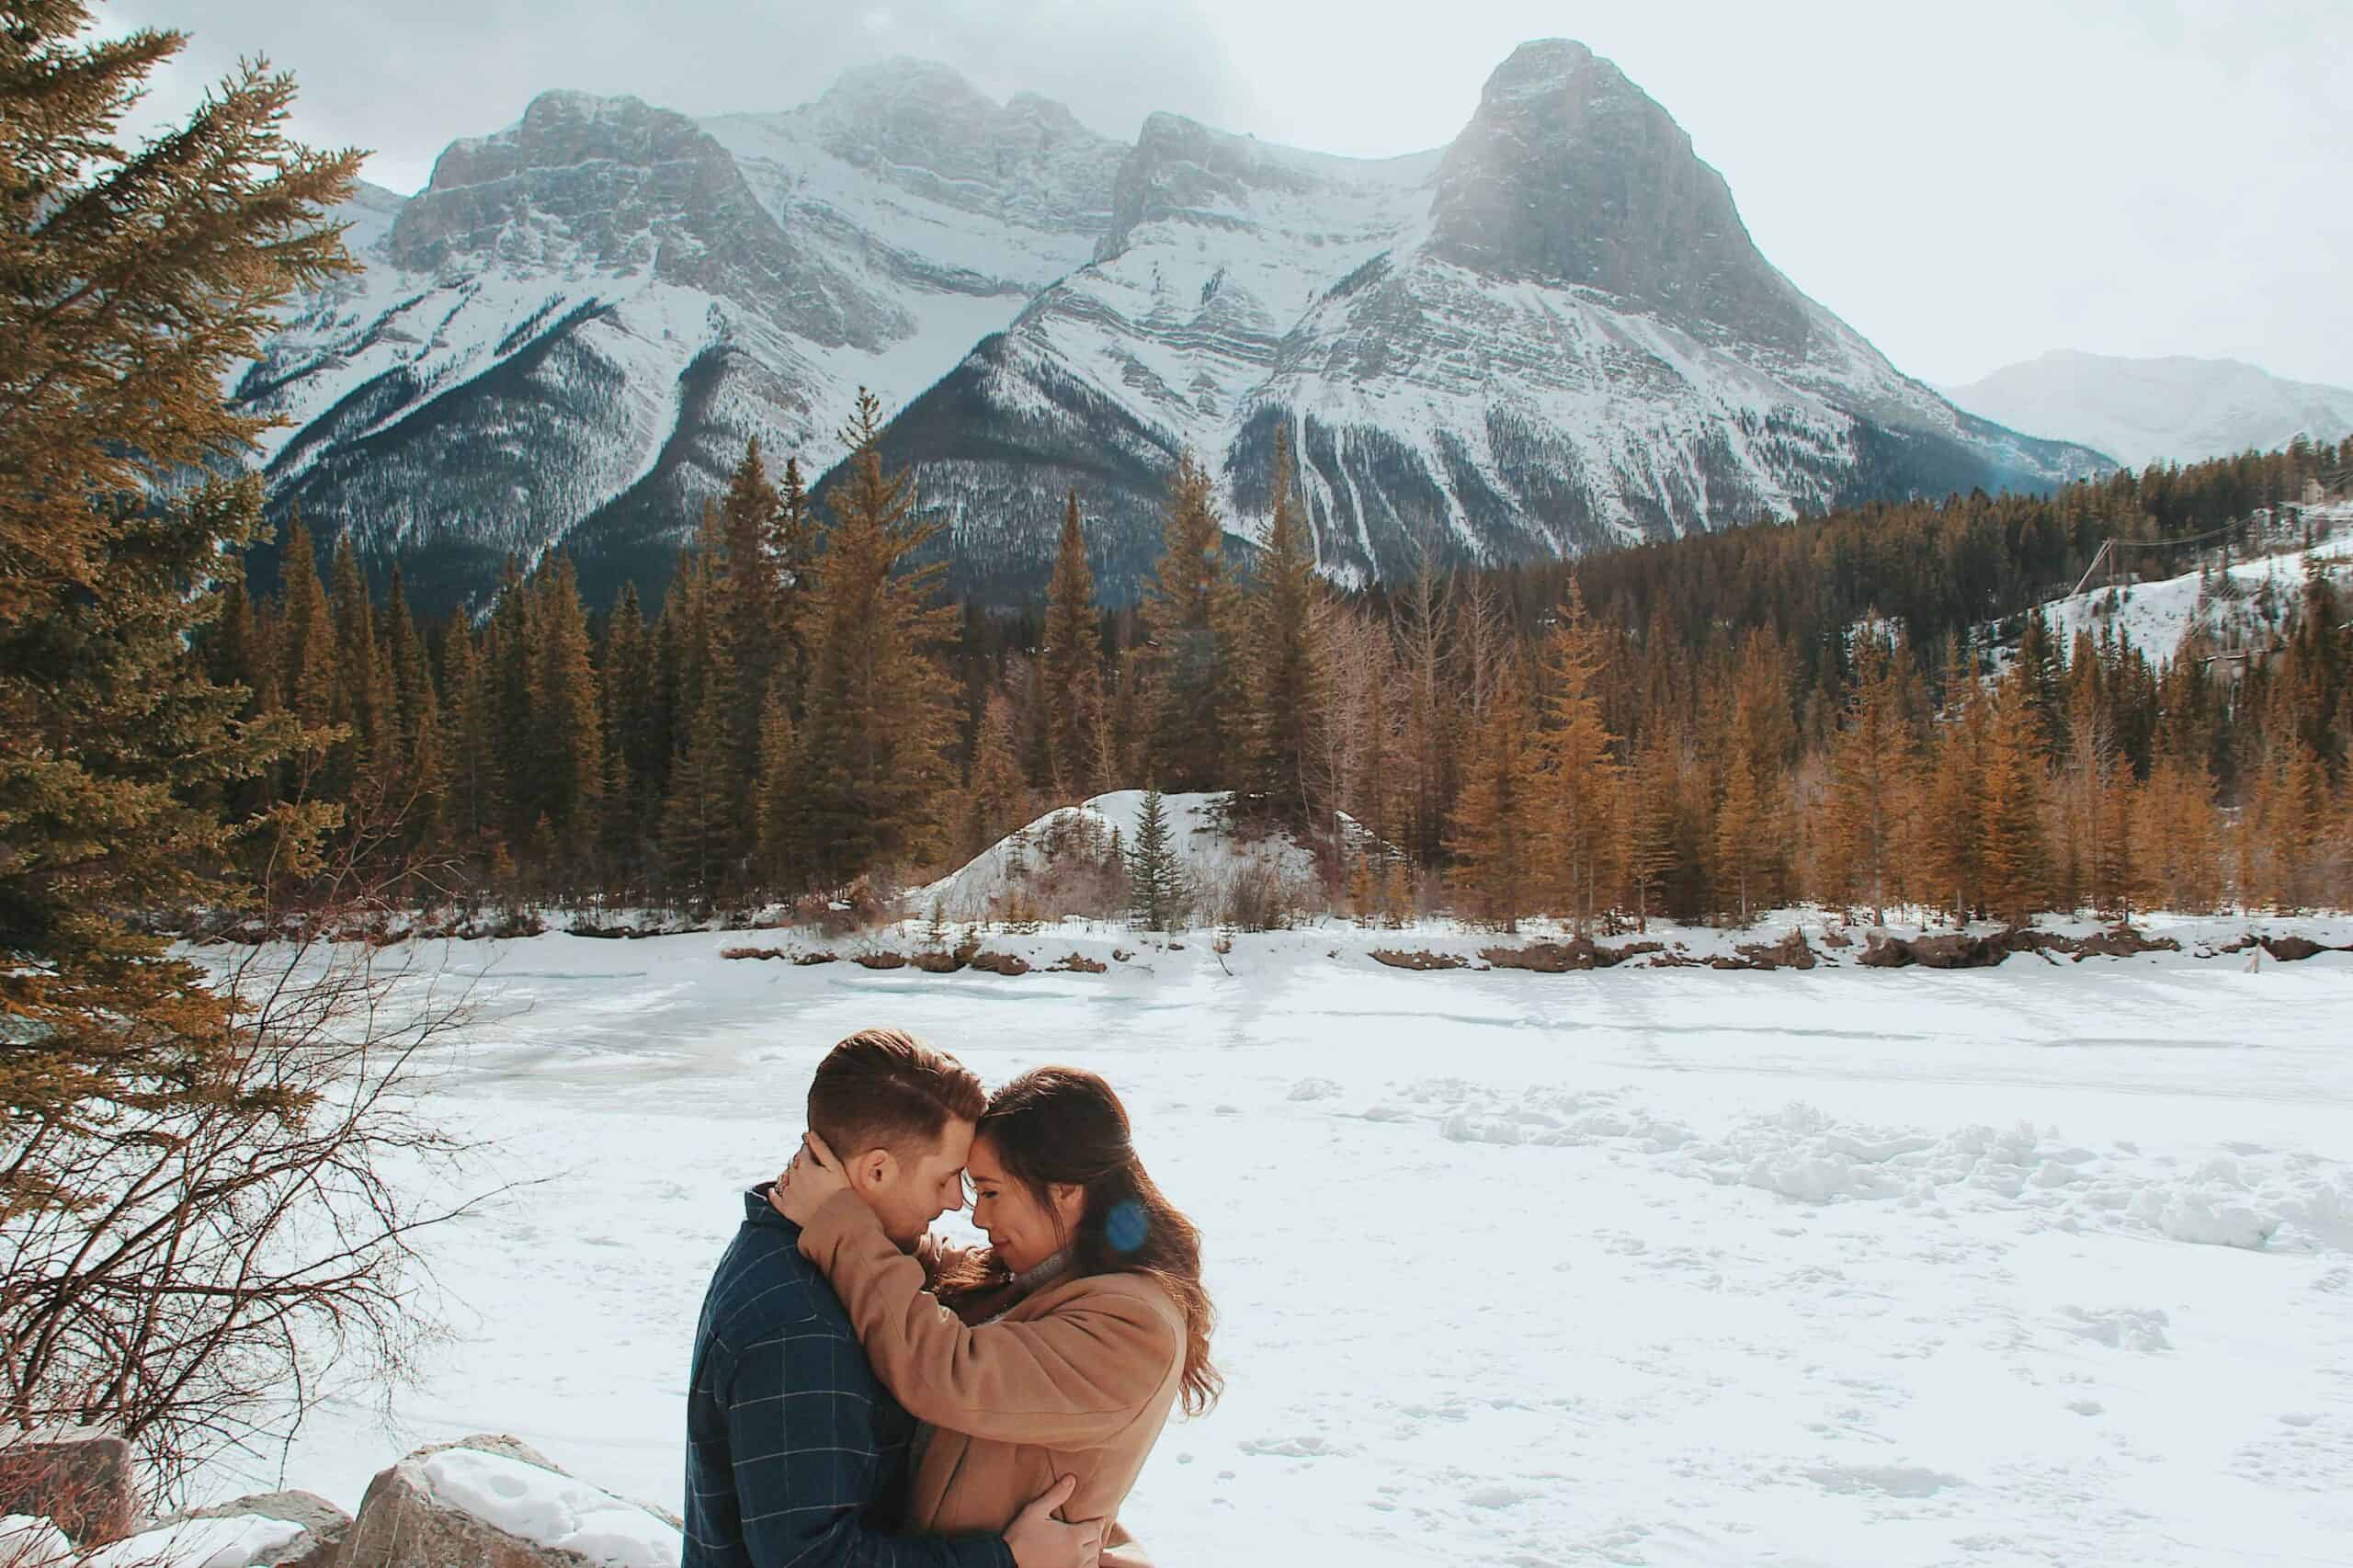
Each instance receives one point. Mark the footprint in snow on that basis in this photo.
(1888, 1480)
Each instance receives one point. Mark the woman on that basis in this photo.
(1059, 1348)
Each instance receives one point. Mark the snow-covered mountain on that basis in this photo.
(2143, 411)
(568, 335)
(1553, 335)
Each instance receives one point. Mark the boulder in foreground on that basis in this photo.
(494, 1501)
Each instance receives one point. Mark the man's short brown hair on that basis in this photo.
(886, 1089)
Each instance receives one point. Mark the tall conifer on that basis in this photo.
(1072, 690)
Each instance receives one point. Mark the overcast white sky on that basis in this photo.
(1967, 185)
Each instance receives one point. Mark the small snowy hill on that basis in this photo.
(2143, 411)
(1063, 862)
(2242, 606)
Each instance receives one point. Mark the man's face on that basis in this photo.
(908, 1195)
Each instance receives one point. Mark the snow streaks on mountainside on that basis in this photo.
(567, 338)
(1553, 335)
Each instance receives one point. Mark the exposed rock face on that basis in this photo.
(1552, 337)
(508, 1507)
(78, 1478)
(1570, 174)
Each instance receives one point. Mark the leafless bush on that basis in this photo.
(1256, 894)
(190, 1268)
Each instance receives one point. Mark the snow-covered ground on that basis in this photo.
(2156, 616)
(2050, 1262)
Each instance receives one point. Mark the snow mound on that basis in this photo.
(1212, 856)
(552, 1509)
(237, 1541)
(27, 1540)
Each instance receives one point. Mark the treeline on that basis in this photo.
(1699, 729)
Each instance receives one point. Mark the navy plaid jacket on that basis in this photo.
(796, 1458)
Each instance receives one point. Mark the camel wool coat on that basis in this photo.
(1076, 1379)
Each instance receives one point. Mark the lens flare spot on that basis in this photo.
(1127, 1225)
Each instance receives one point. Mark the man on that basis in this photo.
(796, 1457)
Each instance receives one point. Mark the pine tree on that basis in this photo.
(1155, 879)
(477, 786)
(1950, 863)
(751, 618)
(130, 284)
(879, 713)
(701, 831)
(360, 679)
(1072, 676)
(1495, 864)
(1576, 788)
(1740, 853)
(414, 774)
(307, 677)
(638, 750)
(1279, 647)
(1645, 824)
(774, 802)
(996, 798)
(1188, 615)
(567, 729)
(1872, 764)
(2014, 861)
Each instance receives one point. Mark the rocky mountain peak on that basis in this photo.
(1541, 65)
(921, 126)
(1568, 173)
(625, 189)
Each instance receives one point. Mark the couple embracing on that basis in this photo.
(863, 1394)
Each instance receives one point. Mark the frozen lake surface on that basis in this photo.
(2049, 1263)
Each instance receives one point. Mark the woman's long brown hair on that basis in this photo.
(1065, 1125)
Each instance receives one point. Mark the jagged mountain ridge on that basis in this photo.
(567, 338)
(1472, 365)
(1553, 335)
(2174, 409)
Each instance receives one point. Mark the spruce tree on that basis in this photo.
(1645, 824)
(996, 796)
(2014, 859)
(1073, 690)
(308, 677)
(1576, 788)
(1951, 863)
(874, 763)
(701, 831)
(1497, 867)
(567, 729)
(360, 693)
(1187, 614)
(1872, 772)
(1155, 877)
(130, 284)
(1280, 678)
(773, 841)
(752, 590)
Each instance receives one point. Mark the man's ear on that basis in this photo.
(872, 1170)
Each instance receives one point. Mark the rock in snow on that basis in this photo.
(496, 1503)
(80, 1478)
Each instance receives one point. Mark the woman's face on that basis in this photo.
(1023, 1231)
